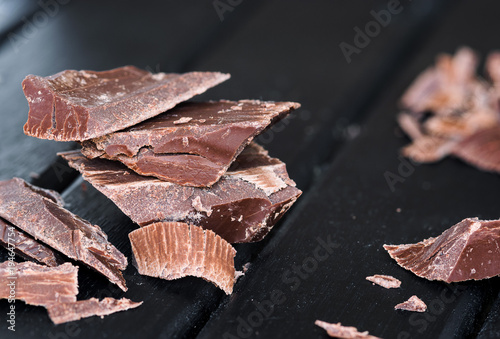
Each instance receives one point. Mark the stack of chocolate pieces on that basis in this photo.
(171, 166)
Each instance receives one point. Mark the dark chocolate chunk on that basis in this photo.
(38, 284)
(25, 246)
(481, 149)
(193, 144)
(345, 332)
(172, 250)
(384, 280)
(468, 250)
(414, 304)
(37, 214)
(242, 206)
(80, 105)
(70, 311)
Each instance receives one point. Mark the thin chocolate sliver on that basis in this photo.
(384, 280)
(468, 250)
(194, 143)
(80, 105)
(346, 332)
(414, 304)
(38, 214)
(242, 206)
(38, 284)
(27, 247)
(171, 250)
(64, 312)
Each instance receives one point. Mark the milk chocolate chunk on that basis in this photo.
(346, 332)
(44, 218)
(172, 250)
(414, 304)
(38, 284)
(193, 144)
(242, 206)
(481, 149)
(384, 280)
(466, 251)
(70, 311)
(25, 246)
(80, 105)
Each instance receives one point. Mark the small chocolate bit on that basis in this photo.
(481, 149)
(414, 304)
(27, 247)
(171, 250)
(193, 144)
(80, 105)
(345, 332)
(70, 311)
(242, 206)
(38, 284)
(40, 214)
(385, 281)
(466, 251)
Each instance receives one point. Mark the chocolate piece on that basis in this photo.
(414, 304)
(242, 206)
(192, 144)
(38, 284)
(482, 149)
(37, 213)
(71, 311)
(26, 246)
(80, 105)
(172, 250)
(466, 251)
(346, 332)
(384, 280)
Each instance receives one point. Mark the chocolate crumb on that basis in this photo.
(414, 304)
(385, 281)
(345, 332)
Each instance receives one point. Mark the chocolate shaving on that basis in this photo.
(466, 251)
(385, 281)
(41, 215)
(345, 332)
(414, 304)
(170, 250)
(80, 105)
(481, 149)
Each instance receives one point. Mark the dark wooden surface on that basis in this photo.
(337, 147)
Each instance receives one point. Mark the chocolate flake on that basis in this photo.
(385, 281)
(414, 304)
(40, 214)
(345, 332)
(466, 251)
(38, 284)
(70, 311)
(80, 105)
(481, 149)
(171, 250)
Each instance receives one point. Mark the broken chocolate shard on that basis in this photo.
(242, 206)
(80, 105)
(171, 250)
(481, 149)
(194, 143)
(414, 304)
(39, 284)
(38, 214)
(70, 311)
(345, 332)
(25, 246)
(466, 251)
(385, 281)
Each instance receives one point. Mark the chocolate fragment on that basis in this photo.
(466, 251)
(38, 284)
(385, 281)
(70, 311)
(27, 247)
(481, 149)
(41, 215)
(346, 332)
(80, 105)
(242, 206)
(414, 304)
(172, 250)
(193, 144)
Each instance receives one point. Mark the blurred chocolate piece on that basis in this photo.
(414, 304)
(346, 332)
(25, 246)
(481, 149)
(40, 214)
(172, 250)
(80, 105)
(384, 280)
(70, 311)
(38, 284)
(242, 206)
(468, 250)
(193, 144)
